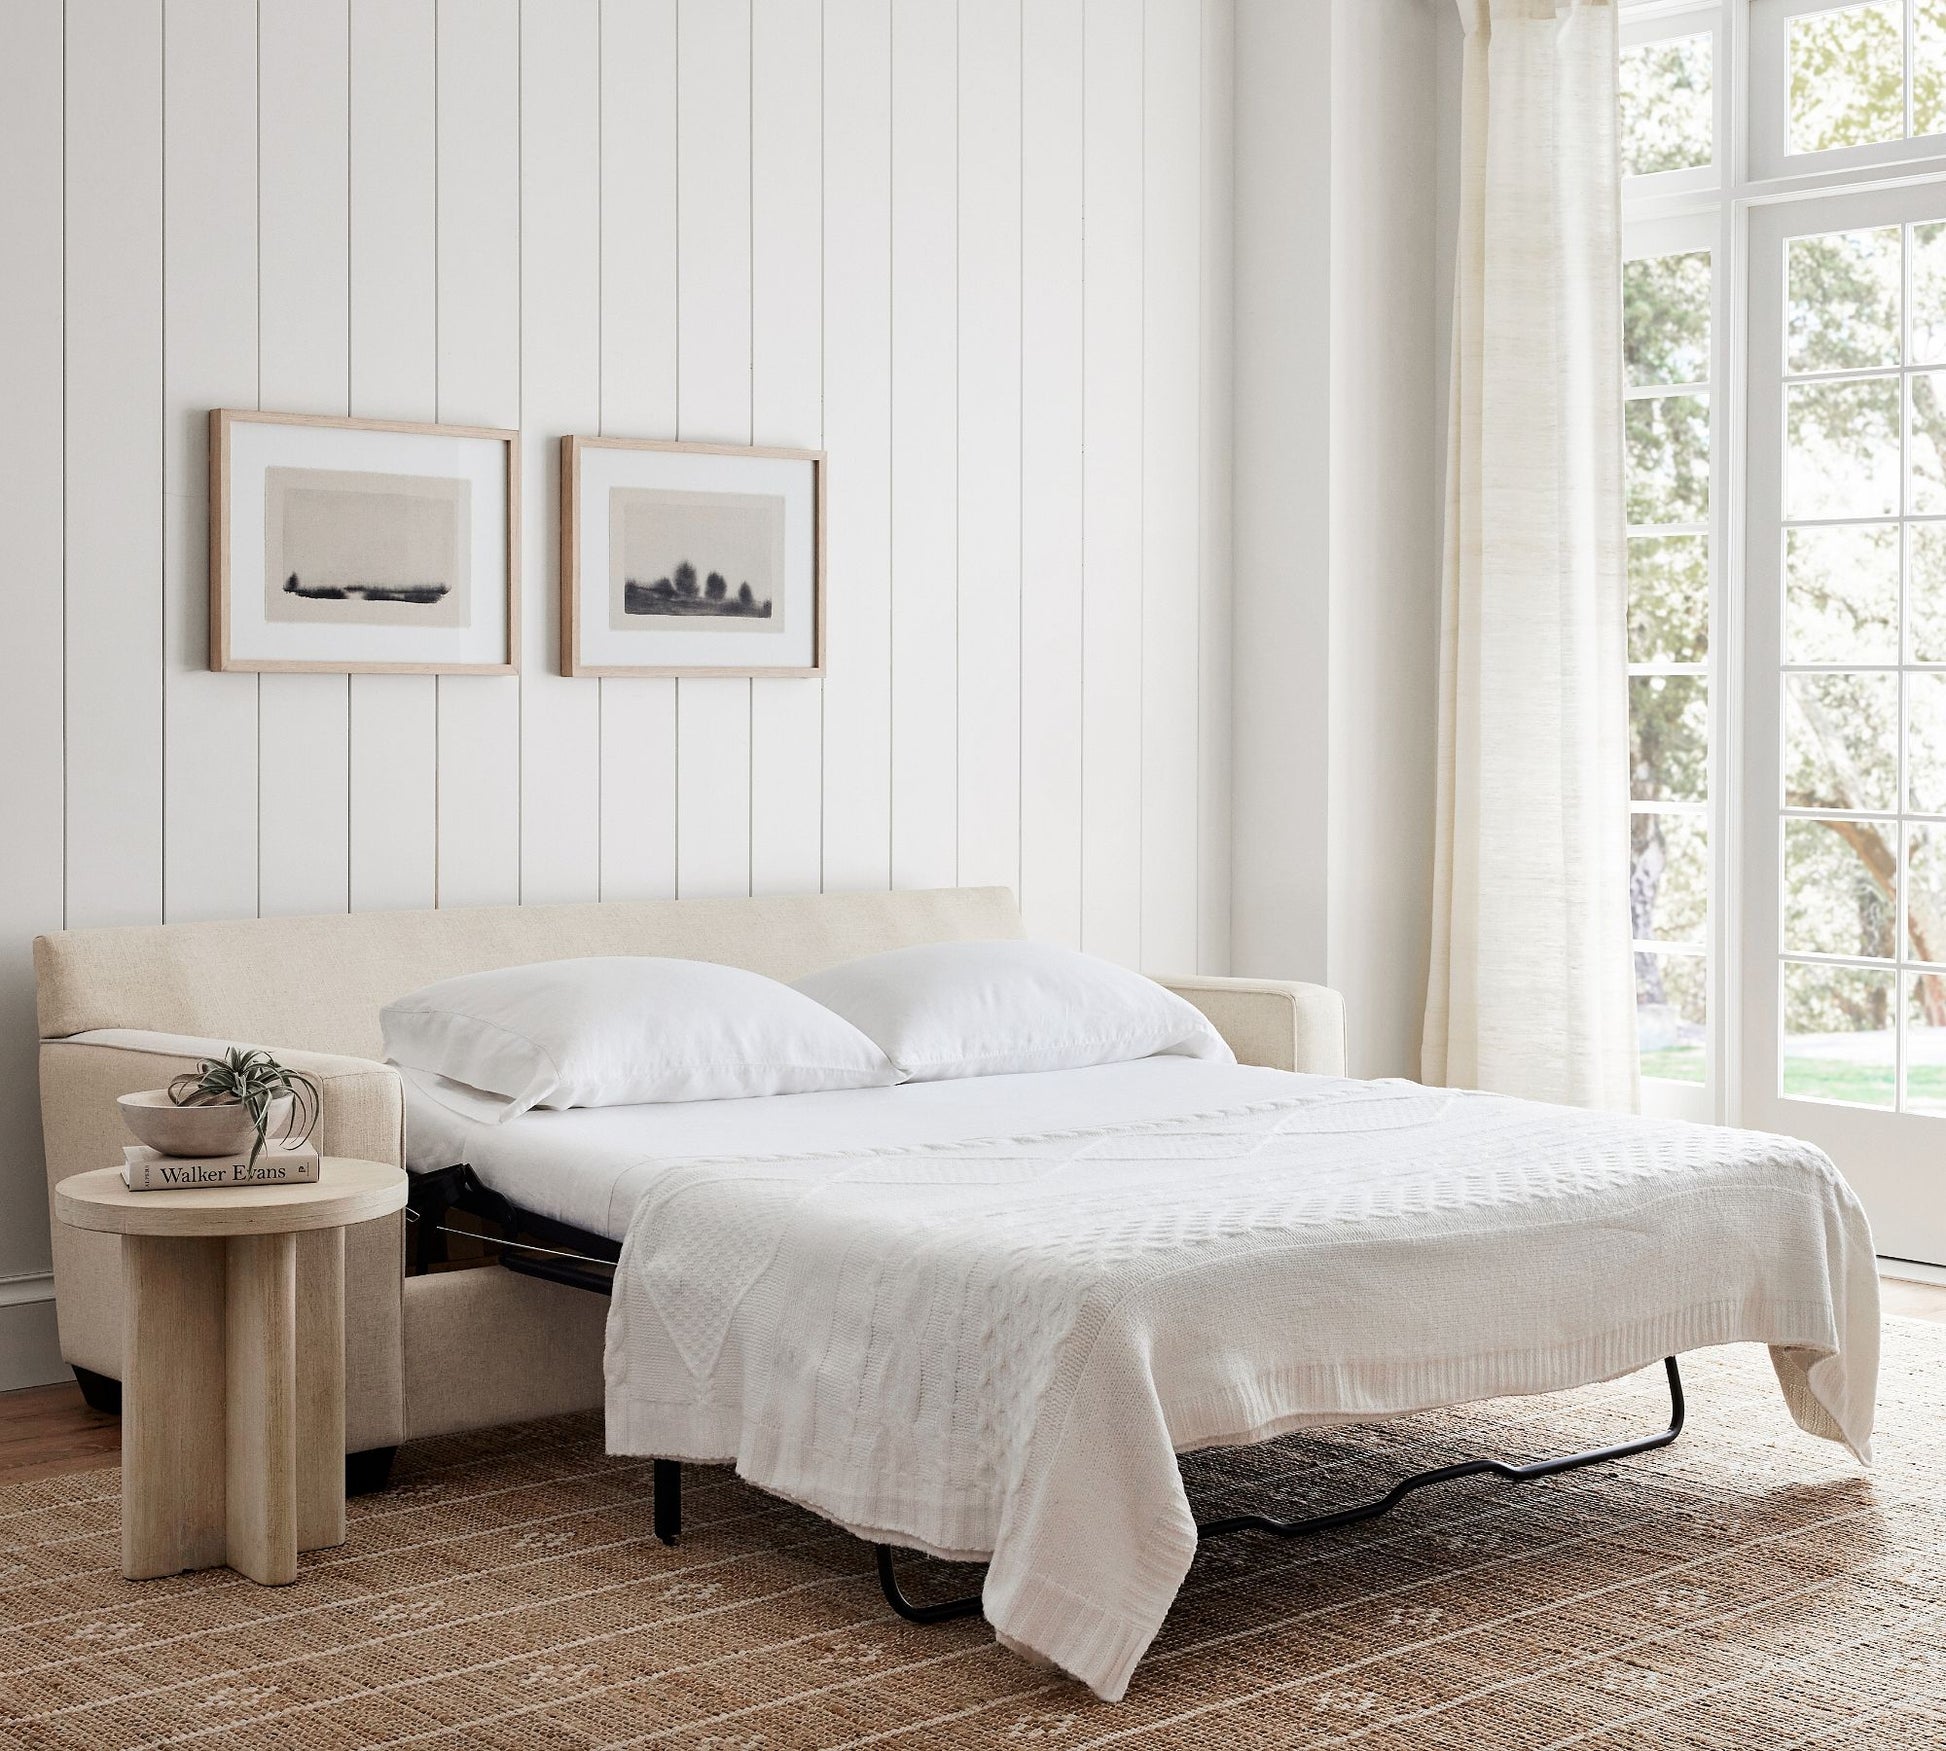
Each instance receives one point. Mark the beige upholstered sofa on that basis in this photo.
(123, 1009)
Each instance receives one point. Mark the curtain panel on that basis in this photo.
(1531, 991)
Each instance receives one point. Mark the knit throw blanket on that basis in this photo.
(997, 1348)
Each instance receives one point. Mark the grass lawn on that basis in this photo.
(1864, 1084)
(1868, 1085)
(1818, 1078)
(1675, 1064)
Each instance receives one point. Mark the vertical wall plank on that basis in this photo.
(861, 225)
(990, 606)
(638, 400)
(560, 353)
(209, 331)
(787, 405)
(394, 375)
(32, 869)
(925, 364)
(304, 316)
(372, 122)
(1051, 470)
(1112, 510)
(1216, 413)
(713, 261)
(114, 462)
(1171, 486)
(394, 255)
(857, 430)
(477, 47)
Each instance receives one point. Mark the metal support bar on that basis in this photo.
(948, 1609)
(553, 1269)
(943, 1612)
(458, 1188)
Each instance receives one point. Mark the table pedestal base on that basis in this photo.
(233, 1419)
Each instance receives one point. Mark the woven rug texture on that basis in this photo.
(1746, 1587)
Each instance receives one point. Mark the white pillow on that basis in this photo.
(953, 1009)
(617, 1030)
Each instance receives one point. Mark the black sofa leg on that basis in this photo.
(668, 1500)
(364, 1472)
(368, 1471)
(99, 1392)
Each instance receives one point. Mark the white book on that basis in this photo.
(277, 1164)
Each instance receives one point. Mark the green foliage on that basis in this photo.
(1669, 598)
(1669, 738)
(1842, 304)
(1925, 604)
(1675, 1063)
(1847, 312)
(1841, 594)
(1841, 448)
(1675, 846)
(1847, 75)
(1672, 994)
(1666, 340)
(1668, 440)
(1665, 105)
(255, 1081)
(1929, 67)
(1847, 70)
(1837, 899)
(1666, 318)
(1841, 741)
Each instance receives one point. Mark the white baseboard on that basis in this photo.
(1911, 1271)
(30, 1347)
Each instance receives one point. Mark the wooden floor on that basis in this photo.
(1912, 1300)
(47, 1429)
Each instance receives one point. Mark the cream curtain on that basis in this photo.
(1531, 988)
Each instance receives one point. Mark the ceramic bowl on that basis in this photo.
(196, 1131)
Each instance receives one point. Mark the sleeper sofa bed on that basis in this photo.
(430, 1353)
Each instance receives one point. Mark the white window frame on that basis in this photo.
(1875, 1146)
(1664, 214)
(1657, 23)
(1677, 234)
(1770, 157)
(1751, 170)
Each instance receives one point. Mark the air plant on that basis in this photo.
(255, 1081)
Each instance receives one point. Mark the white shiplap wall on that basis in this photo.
(978, 251)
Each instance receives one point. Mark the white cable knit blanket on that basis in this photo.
(999, 1347)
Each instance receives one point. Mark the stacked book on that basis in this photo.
(277, 1164)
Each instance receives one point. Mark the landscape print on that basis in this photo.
(347, 547)
(695, 561)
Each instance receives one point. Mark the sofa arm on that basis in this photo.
(362, 1113)
(1274, 1022)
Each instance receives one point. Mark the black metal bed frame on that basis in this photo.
(536, 1246)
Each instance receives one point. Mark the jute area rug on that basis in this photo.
(1748, 1586)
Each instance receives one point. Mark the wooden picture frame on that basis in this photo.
(484, 537)
(589, 634)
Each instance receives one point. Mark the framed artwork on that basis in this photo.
(342, 546)
(691, 559)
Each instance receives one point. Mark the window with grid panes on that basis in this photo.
(1668, 137)
(1784, 296)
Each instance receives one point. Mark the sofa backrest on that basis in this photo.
(317, 984)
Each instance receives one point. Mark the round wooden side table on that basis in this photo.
(233, 1363)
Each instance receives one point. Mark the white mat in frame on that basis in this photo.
(691, 559)
(362, 546)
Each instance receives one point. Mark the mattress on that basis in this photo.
(592, 1166)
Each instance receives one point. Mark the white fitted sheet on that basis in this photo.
(593, 1165)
